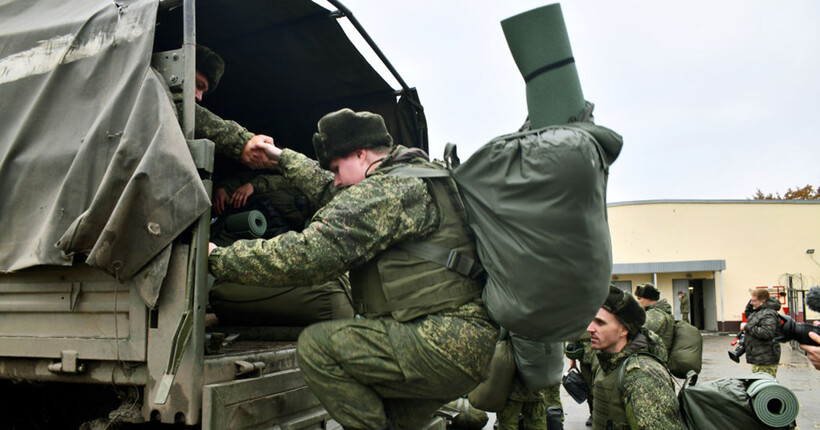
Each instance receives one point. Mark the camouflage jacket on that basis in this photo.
(684, 305)
(646, 385)
(659, 319)
(762, 327)
(353, 225)
(228, 136)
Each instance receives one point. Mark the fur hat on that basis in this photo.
(210, 64)
(345, 131)
(626, 308)
(647, 291)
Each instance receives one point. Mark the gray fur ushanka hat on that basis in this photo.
(648, 291)
(345, 131)
(626, 308)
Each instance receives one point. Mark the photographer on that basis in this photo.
(761, 328)
(813, 352)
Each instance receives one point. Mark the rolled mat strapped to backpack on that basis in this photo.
(773, 403)
(737, 403)
(248, 224)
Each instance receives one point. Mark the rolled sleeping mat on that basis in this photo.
(774, 404)
(250, 223)
(539, 44)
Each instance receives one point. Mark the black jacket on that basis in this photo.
(762, 327)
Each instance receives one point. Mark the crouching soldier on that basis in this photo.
(632, 389)
(425, 338)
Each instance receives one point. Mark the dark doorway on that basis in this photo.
(696, 299)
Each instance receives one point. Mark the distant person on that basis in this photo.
(813, 352)
(621, 340)
(659, 317)
(761, 327)
(230, 139)
(684, 305)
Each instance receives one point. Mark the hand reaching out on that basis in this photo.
(254, 155)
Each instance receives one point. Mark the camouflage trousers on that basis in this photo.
(364, 370)
(771, 369)
(533, 411)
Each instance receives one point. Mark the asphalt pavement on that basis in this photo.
(795, 372)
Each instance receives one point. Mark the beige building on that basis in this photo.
(718, 250)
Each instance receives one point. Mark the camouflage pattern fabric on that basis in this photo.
(684, 306)
(358, 223)
(359, 368)
(363, 369)
(228, 136)
(530, 405)
(771, 369)
(552, 397)
(647, 384)
(659, 319)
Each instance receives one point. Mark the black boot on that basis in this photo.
(555, 419)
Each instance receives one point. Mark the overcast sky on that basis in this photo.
(714, 99)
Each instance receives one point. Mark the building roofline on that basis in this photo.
(738, 201)
(669, 267)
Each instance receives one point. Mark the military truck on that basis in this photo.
(105, 209)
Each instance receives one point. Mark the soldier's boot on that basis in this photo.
(555, 418)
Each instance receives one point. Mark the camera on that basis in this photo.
(741, 347)
(791, 330)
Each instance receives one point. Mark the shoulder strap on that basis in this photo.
(449, 258)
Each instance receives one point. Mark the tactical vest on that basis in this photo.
(400, 283)
(608, 405)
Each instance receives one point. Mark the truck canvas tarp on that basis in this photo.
(106, 208)
(93, 159)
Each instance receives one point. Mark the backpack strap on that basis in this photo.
(449, 258)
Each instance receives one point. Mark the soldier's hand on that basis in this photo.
(240, 196)
(254, 155)
(813, 352)
(219, 199)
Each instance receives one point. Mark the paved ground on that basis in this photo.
(795, 372)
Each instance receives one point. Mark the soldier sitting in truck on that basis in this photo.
(231, 139)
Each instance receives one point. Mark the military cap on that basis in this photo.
(345, 131)
(647, 291)
(210, 64)
(626, 308)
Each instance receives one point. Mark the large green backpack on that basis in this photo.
(686, 351)
(755, 402)
(536, 201)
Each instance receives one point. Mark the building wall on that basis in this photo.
(761, 242)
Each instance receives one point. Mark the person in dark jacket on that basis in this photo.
(762, 351)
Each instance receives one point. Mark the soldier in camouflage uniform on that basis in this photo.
(632, 390)
(762, 326)
(659, 318)
(424, 337)
(230, 139)
(684, 305)
(531, 410)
